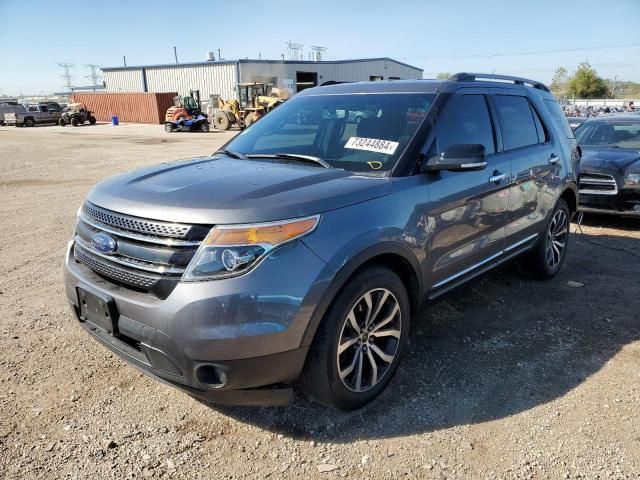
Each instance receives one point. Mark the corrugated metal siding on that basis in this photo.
(209, 79)
(129, 107)
(124, 81)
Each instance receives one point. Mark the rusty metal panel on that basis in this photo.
(129, 107)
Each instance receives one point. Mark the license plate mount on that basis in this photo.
(99, 310)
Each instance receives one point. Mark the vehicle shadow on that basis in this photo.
(502, 345)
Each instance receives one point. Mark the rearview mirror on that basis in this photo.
(457, 158)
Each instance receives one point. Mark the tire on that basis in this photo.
(221, 121)
(92, 120)
(168, 127)
(75, 122)
(249, 119)
(29, 122)
(548, 256)
(61, 122)
(321, 379)
(204, 127)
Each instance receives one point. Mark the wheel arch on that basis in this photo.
(570, 195)
(395, 256)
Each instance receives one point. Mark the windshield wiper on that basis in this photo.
(291, 156)
(230, 153)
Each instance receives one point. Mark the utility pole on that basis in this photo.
(613, 87)
(124, 60)
(66, 74)
(175, 54)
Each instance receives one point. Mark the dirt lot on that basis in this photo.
(509, 378)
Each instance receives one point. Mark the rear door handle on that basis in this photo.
(497, 177)
(553, 159)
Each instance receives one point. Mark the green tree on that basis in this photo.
(443, 76)
(586, 83)
(559, 82)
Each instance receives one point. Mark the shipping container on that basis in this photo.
(132, 107)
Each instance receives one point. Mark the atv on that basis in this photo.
(200, 123)
(76, 114)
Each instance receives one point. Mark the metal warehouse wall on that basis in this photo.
(129, 107)
(123, 80)
(210, 79)
(340, 72)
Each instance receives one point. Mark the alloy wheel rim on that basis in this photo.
(557, 236)
(369, 340)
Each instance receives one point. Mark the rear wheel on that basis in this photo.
(547, 258)
(61, 122)
(168, 127)
(204, 127)
(29, 122)
(92, 120)
(221, 121)
(249, 119)
(358, 345)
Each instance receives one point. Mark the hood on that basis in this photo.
(610, 159)
(218, 190)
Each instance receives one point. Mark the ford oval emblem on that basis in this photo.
(103, 243)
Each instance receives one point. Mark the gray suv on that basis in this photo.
(296, 255)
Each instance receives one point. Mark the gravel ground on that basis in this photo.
(508, 378)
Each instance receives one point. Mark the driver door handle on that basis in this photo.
(497, 177)
(553, 159)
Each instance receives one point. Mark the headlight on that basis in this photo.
(632, 179)
(231, 250)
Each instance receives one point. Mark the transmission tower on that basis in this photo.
(294, 50)
(66, 74)
(318, 52)
(93, 75)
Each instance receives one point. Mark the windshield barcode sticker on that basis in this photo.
(372, 145)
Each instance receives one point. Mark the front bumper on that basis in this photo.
(247, 330)
(625, 203)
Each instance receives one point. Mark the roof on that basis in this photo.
(246, 60)
(384, 86)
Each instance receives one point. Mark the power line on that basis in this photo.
(66, 74)
(93, 74)
(535, 52)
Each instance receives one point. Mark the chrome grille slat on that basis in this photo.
(134, 224)
(597, 184)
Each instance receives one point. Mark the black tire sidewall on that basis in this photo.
(542, 268)
(335, 393)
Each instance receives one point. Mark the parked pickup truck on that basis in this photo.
(35, 113)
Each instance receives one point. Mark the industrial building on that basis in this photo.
(222, 77)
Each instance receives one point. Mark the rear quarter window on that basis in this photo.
(559, 117)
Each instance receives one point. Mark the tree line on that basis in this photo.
(584, 83)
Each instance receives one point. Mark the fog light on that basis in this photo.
(211, 375)
(636, 208)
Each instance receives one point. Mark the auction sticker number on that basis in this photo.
(372, 145)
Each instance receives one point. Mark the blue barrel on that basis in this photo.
(114, 120)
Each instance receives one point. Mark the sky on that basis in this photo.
(512, 37)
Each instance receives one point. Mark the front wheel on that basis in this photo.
(29, 122)
(61, 122)
(168, 127)
(358, 344)
(75, 122)
(548, 256)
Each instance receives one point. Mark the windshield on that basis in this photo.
(357, 132)
(609, 134)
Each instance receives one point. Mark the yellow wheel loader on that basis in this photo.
(256, 100)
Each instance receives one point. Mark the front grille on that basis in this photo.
(598, 184)
(142, 281)
(126, 222)
(150, 255)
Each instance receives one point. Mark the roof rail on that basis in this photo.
(472, 77)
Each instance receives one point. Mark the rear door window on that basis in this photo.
(517, 121)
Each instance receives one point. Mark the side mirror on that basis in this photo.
(457, 158)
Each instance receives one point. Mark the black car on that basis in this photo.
(610, 165)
